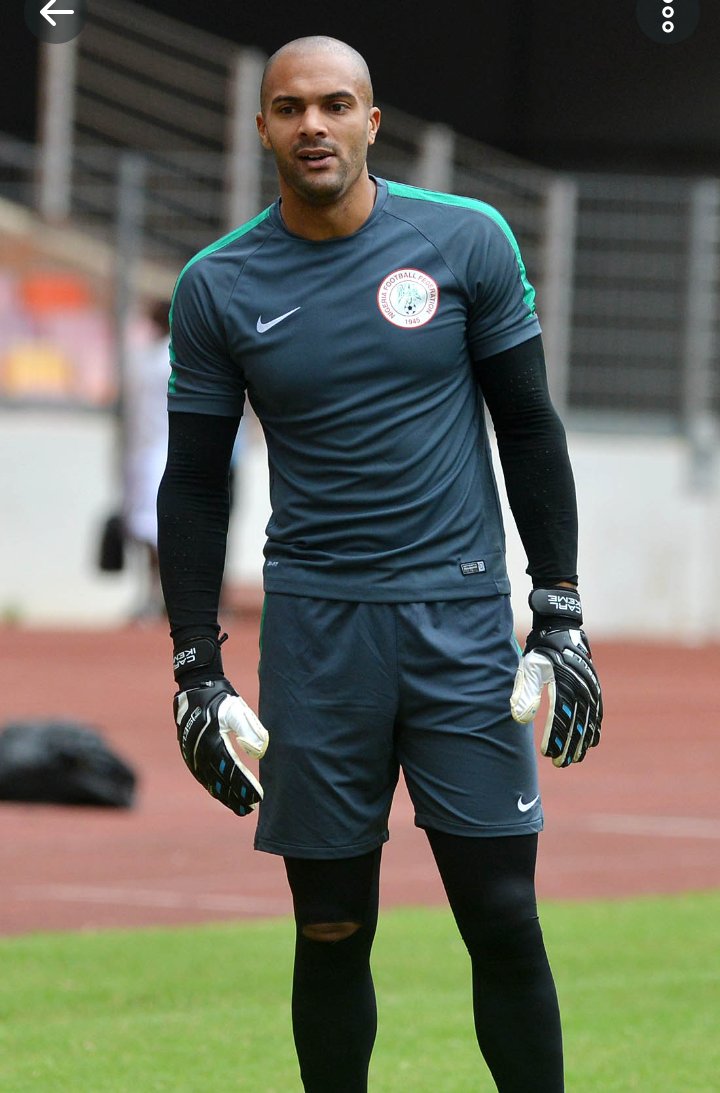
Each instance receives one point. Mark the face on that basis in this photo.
(317, 122)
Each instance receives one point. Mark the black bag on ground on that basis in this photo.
(60, 762)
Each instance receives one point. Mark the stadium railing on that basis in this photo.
(627, 268)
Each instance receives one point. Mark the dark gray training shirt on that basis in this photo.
(356, 355)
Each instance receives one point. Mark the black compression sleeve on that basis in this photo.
(193, 511)
(534, 458)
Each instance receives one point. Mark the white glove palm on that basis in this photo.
(534, 672)
(237, 722)
(557, 656)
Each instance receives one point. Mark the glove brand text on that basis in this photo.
(185, 656)
(565, 603)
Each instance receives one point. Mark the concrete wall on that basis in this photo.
(647, 546)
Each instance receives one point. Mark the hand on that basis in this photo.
(210, 718)
(557, 654)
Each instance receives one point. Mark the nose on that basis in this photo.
(312, 122)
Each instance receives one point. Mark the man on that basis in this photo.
(366, 321)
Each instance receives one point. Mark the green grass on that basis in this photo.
(200, 1010)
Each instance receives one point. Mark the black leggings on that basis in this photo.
(490, 886)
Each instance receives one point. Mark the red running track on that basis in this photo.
(639, 816)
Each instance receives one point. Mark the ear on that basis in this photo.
(262, 131)
(373, 123)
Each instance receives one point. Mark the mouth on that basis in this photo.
(316, 157)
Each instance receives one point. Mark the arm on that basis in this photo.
(193, 513)
(541, 491)
(193, 510)
(534, 459)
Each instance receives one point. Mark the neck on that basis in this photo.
(343, 217)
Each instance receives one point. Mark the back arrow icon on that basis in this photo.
(45, 12)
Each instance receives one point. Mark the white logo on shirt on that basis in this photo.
(408, 298)
(261, 327)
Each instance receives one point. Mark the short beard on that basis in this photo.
(317, 196)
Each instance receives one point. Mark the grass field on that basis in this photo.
(200, 1010)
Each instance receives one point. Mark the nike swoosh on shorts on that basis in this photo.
(525, 806)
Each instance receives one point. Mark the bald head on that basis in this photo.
(319, 45)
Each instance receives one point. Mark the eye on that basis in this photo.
(339, 107)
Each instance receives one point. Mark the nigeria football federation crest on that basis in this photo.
(408, 297)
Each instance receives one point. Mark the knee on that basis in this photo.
(330, 931)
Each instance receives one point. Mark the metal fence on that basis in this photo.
(148, 139)
(644, 327)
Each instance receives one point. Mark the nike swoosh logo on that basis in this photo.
(261, 327)
(525, 806)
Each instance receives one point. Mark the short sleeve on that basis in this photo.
(502, 313)
(204, 378)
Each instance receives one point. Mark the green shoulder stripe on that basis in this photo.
(418, 194)
(224, 241)
(218, 245)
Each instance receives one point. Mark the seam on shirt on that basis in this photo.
(430, 242)
(251, 254)
(212, 248)
(493, 215)
(219, 244)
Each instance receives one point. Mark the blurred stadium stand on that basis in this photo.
(148, 151)
(627, 268)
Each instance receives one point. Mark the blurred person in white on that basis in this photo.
(145, 433)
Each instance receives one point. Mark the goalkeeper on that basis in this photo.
(367, 322)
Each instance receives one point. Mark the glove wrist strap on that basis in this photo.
(196, 660)
(555, 608)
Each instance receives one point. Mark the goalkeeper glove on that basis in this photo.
(211, 717)
(557, 654)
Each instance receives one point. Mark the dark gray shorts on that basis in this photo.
(352, 692)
